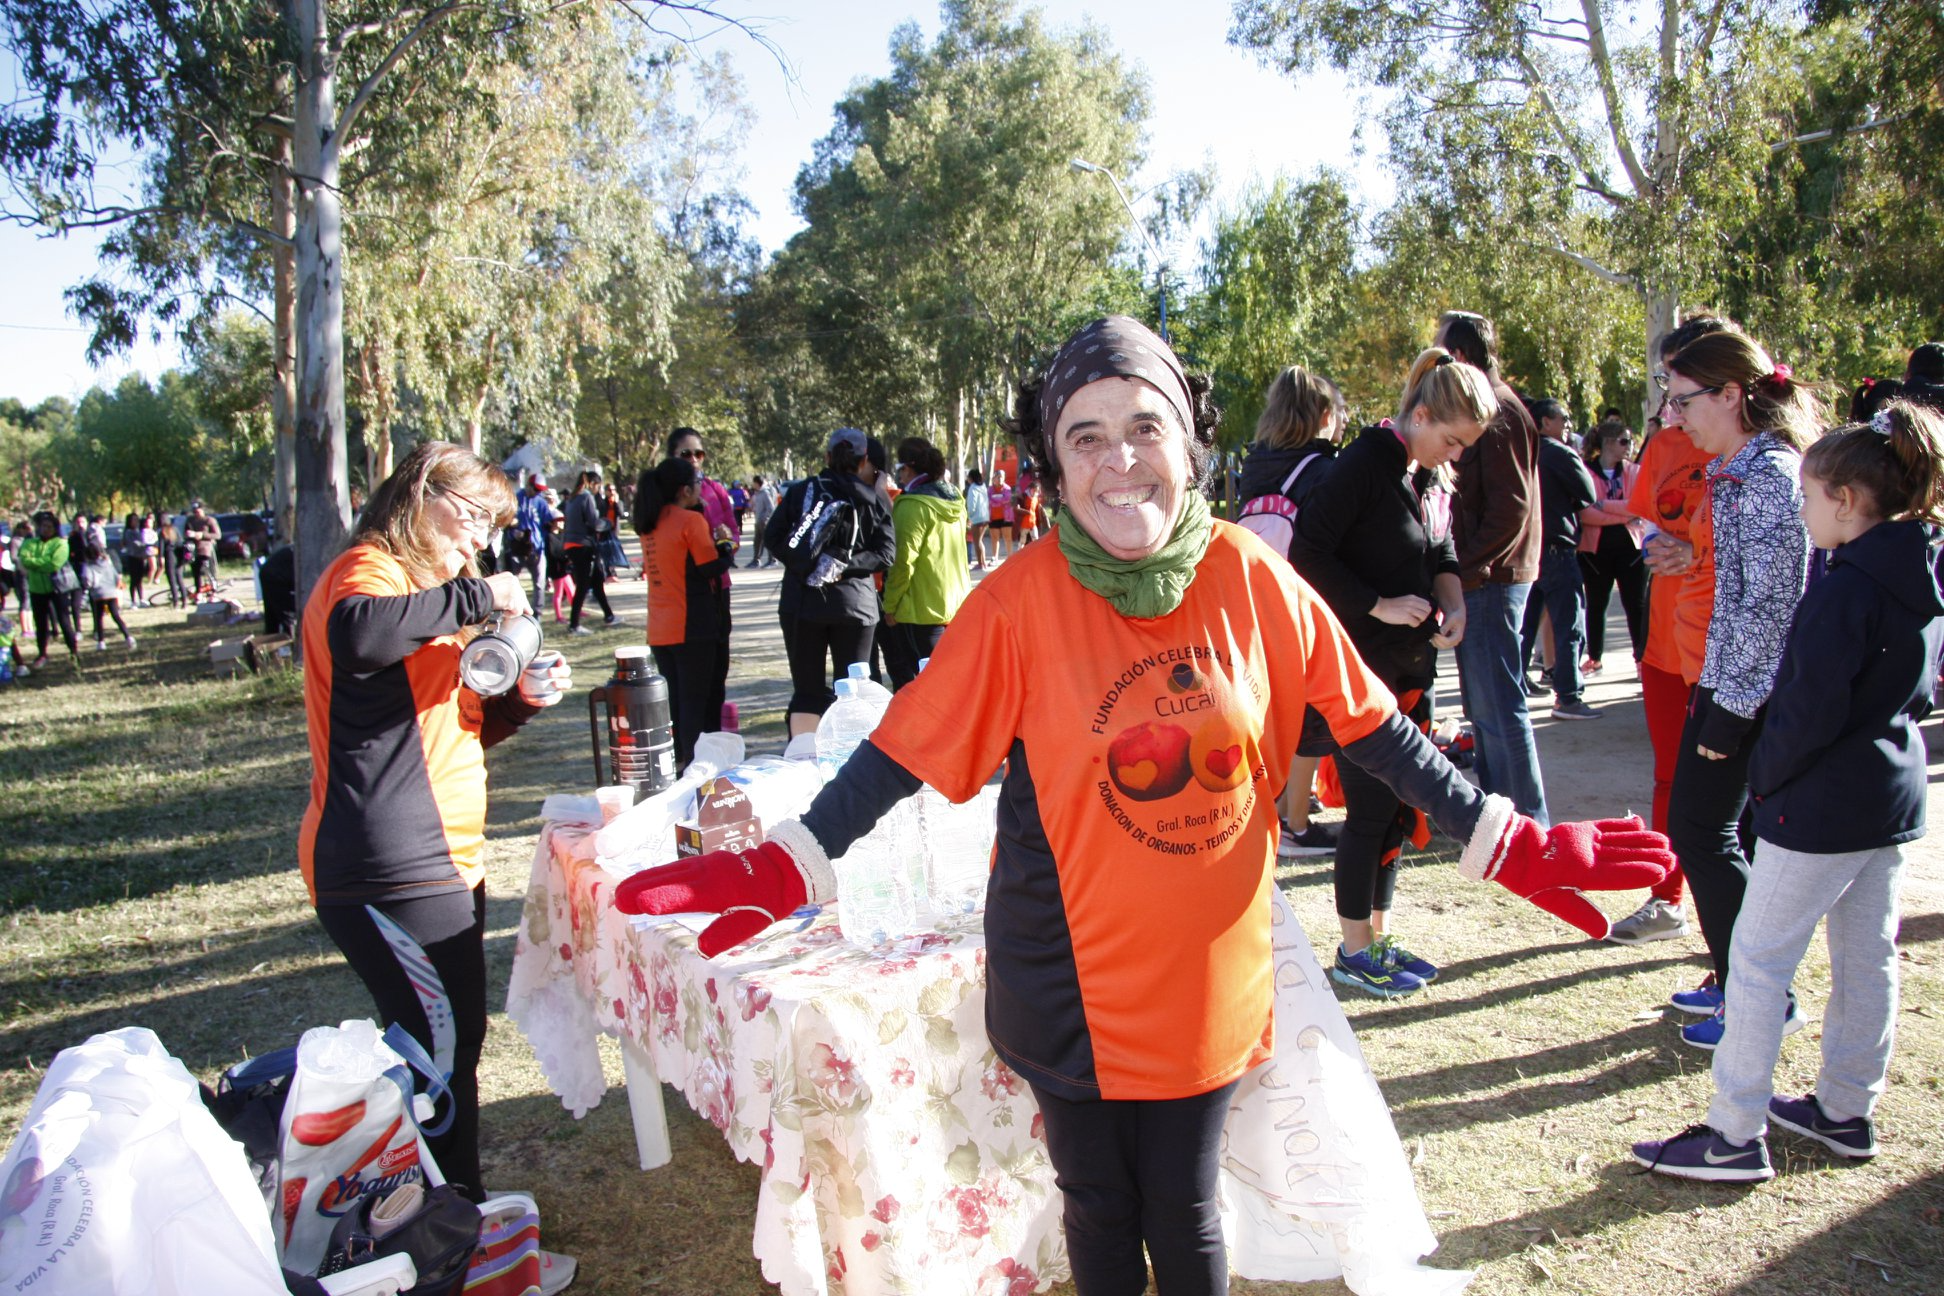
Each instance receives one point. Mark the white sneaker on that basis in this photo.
(556, 1271)
(101, 645)
(1654, 921)
(128, 642)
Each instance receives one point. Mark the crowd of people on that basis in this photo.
(1778, 579)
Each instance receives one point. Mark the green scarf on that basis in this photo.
(1143, 588)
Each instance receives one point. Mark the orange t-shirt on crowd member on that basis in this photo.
(1671, 493)
(1127, 925)
(679, 560)
(397, 744)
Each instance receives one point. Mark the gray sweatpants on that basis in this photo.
(1788, 893)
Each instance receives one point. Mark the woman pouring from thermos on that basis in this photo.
(392, 844)
(1143, 678)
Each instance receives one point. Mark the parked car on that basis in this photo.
(245, 535)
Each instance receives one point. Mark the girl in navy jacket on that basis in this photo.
(1838, 777)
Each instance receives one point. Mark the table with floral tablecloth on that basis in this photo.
(898, 1152)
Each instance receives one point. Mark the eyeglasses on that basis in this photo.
(691, 454)
(472, 514)
(1680, 403)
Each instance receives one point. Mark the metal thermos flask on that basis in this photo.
(491, 664)
(641, 736)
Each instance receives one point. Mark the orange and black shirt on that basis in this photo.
(681, 563)
(398, 767)
(1127, 922)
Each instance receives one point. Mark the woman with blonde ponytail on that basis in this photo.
(1839, 780)
(1375, 542)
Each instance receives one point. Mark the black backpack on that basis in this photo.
(826, 526)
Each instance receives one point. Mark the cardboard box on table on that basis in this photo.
(724, 820)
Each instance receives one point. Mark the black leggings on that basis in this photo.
(1134, 1172)
(50, 609)
(588, 579)
(450, 931)
(1368, 843)
(1704, 823)
(808, 645)
(1616, 564)
(689, 669)
(113, 608)
(905, 645)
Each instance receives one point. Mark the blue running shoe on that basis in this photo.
(1367, 972)
(1396, 956)
(1855, 1139)
(1698, 1152)
(1707, 1034)
(1703, 1001)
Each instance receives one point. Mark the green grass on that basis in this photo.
(148, 824)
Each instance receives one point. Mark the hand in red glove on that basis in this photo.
(750, 889)
(1552, 867)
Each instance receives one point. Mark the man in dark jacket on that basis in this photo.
(1565, 490)
(1496, 524)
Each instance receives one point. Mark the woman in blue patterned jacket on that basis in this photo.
(1736, 402)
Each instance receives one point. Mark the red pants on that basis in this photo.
(1665, 695)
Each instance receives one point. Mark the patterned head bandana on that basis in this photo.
(1114, 346)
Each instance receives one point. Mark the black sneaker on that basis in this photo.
(1535, 689)
(1700, 1152)
(1316, 839)
(1855, 1139)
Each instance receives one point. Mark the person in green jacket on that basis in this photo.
(43, 559)
(928, 578)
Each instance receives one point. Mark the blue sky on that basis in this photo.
(1210, 103)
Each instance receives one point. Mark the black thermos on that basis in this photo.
(641, 737)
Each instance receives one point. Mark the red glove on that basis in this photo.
(750, 889)
(1551, 867)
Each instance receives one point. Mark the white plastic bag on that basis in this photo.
(121, 1183)
(348, 1130)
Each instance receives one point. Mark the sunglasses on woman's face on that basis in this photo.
(697, 453)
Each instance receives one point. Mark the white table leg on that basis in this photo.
(645, 1103)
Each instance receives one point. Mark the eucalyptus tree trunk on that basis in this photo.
(283, 345)
(1663, 307)
(323, 472)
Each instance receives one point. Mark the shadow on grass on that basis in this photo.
(1921, 929)
(1616, 1196)
(181, 991)
(685, 1227)
(1440, 1003)
(1893, 1243)
(1510, 1088)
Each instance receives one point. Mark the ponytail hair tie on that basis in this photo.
(1443, 360)
(1880, 423)
(1782, 374)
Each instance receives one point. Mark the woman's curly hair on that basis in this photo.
(1025, 424)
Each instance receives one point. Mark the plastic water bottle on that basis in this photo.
(958, 851)
(881, 878)
(867, 688)
(847, 723)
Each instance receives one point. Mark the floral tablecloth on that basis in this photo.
(898, 1152)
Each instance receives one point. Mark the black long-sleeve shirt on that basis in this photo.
(1374, 530)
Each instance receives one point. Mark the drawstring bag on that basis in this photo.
(349, 1129)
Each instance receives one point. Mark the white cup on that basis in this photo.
(615, 801)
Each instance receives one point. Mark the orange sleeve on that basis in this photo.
(1351, 699)
(956, 722)
(695, 533)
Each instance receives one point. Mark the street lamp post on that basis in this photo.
(1160, 262)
